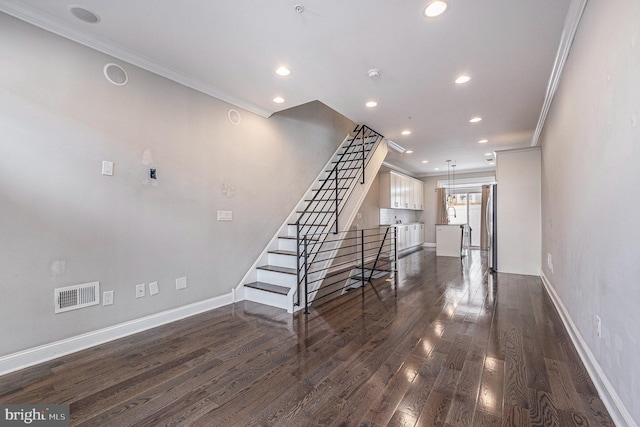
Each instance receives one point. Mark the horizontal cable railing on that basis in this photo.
(345, 261)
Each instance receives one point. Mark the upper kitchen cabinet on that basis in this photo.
(399, 191)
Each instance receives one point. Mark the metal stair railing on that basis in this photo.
(322, 212)
(363, 254)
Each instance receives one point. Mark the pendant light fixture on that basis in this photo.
(451, 181)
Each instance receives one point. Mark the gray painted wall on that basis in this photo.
(63, 223)
(590, 146)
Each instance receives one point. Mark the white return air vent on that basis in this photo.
(76, 296)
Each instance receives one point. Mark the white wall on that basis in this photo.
(590, 176)
(518, 215)
(63, 223)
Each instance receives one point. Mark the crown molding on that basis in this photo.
(27, 14)
(576, 8)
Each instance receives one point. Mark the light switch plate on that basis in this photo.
(107, 168)
(181, 283)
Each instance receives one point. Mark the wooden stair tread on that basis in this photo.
(268, 287)
(283, 252)
(278, 269)
(294, 238)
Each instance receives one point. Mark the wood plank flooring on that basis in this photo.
(450, 345)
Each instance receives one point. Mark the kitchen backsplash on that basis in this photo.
(392, 216)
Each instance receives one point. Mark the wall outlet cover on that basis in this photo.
(181, 283)
(153, 288)
(107, 168)
(107, 298)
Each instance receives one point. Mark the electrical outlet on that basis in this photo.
(140, 290)
(550, 261)
(107, 298)
(598, 326)
(153, 288)
(107, 168)
(181, 283)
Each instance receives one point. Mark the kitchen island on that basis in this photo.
(449, 239)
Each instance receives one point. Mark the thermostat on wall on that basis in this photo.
(225, 215)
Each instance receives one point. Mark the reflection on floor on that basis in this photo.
(450, 344)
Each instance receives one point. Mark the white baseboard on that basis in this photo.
(429, 245)
(617, 409)
(33, 356)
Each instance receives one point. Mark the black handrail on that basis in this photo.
(373, 269)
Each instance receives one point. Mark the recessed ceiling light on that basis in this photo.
(435, 8)
(475, 120)
(409, 151)
(492, 163)
(483, 141)
(84, 15)
(283, 71)
(371, 104)
(425, 161)
(278, 100)
(436, 169)
(488, 154)
(462, 79)
(406, 132)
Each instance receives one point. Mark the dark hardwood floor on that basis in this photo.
(452, 345)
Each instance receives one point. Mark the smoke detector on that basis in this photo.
(374, 73)
(298, 8)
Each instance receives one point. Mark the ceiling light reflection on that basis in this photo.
(283, 71)
(435, 8)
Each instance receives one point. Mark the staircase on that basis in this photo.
(330, 205)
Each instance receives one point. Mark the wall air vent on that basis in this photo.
(77, 296)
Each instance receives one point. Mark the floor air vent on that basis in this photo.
(77, 296)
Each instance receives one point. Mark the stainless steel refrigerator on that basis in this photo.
(492, 227)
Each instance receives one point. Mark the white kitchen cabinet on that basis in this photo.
(409, 235)
(418, 195)
(398, 191)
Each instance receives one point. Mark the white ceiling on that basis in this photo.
(230, 49)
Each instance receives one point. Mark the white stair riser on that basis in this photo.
(276, 278)
(287, 244)
(264, 297)
(308, 230)
(282, 260)
(316, 217)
